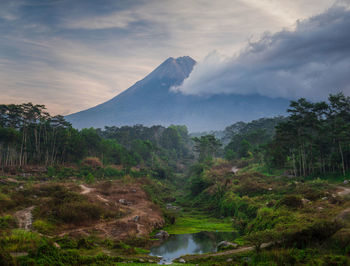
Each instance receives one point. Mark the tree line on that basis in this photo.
(29, 135)
(315, 139)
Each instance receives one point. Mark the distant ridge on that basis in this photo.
(150, 102)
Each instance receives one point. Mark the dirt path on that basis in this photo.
(344, 213)
(141, 215)
(344, 191)
(25, 218)
(224, 253)
(86, 190)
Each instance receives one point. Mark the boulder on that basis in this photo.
(181, 260)
(226, 245)
(162, 235)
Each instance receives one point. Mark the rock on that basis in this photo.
(136, 218)
(324, 198)
(150, 261)
(133, 190)
(227, 245)
(320, 208)
(123, 201)
(141, 260)
(181, 260)
(270, 188)
(305, 201)
(229, 260)
(162, 235)
(346, 182)
(56, 245)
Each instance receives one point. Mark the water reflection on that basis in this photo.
(178, 245)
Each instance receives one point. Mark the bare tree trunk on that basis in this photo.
(342, 157)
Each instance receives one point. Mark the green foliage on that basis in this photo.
(7, 222)
(236, 206)
(5, 257)
(21, 240)
(43, 227)
(113, 172)
(47, 254)
(188, 224)
(258, 238)
(291, 201)
(247, 140)
(314, 139)
(207, 147)
(89, 178)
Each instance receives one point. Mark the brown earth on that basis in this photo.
(141, 215)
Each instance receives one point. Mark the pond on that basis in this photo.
(178, 245)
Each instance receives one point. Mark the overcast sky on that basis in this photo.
(71, 54)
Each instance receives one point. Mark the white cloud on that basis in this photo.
(311, 61)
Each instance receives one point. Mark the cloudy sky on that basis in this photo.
(74, 54)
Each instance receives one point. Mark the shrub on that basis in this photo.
(43, 226)
(306, 234)
(92, 162)
(51, 171)
(78, 212)
(291, 201)
(111, 171)
(258, 238)
(85, 243)
(7, 222)
(21, 240)
(5, 257)
(89, 178)
(5, 202)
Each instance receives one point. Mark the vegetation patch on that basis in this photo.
(195, 224)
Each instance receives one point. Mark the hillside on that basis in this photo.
(151, 102)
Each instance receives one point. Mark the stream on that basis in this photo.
(178, 245)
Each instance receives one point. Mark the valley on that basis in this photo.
(257, 195)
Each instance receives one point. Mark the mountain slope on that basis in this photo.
(150, 101)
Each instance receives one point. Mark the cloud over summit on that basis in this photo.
(310, 61)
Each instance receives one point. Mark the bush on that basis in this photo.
(43, 226)
(78, 212)
(21, 240)
(89, 178)
(315, 232)
(291, 201)
(92, 162)
(258, 238)
(5, 202)
(5, 257)
(113, 172)
(7, 222)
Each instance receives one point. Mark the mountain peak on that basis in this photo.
(179, 68)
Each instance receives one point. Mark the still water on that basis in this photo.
(178, 245)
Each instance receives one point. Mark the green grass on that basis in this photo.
(199, 223)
